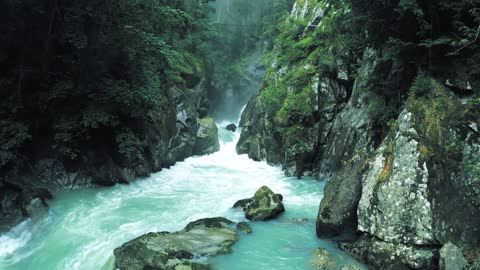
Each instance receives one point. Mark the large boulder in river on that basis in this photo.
(164, 250)
(207, 137)
(231, 127)
(264, 205)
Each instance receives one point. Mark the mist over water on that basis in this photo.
(83, 227)
(238, 69)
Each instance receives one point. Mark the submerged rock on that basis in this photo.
(323, 259)
(264, 205)
(299, 220)
(451, 258)
(164, 250)
(207, 137)
(244, 227)
(349, 267)
(231, 127)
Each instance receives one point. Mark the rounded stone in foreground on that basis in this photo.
(164, 250)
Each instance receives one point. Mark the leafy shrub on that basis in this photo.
(272, 99)
(422, 86)
(436, 113)
(12, 136)
(377, 109)
(297, 103)
(128, 145)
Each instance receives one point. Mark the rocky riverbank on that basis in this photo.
(407, 183)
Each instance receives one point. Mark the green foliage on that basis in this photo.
(272, 99)
(422, 86)
(292, 137)
(12, 136)
(377, 109)
(436, 114)
(102, 67)
(128, 145)
(297, 103)
(300, 77)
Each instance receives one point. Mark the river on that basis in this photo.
(82, 227)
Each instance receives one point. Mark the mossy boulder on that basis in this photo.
(244, 227)
(264, 205)
(217, 222)
(164, 250)
(207, 137)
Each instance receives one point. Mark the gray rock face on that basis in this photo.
(350, 137)
(337, 212)
(451, 258)
(17, 202)
(383, 255)
(207, 137)
(394, 205)
(455, 188)
(264, 205)
(166, 250)
(256, 138)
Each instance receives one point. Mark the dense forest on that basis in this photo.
(91, 90)
(378, 98)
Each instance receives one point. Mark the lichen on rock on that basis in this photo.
(398, 209)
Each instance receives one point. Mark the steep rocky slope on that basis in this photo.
(396, 138)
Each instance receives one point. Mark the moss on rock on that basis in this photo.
(264, 205)
(164, 250)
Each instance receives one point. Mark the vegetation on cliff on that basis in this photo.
(91, 74)
(380, 98)
(321, 44)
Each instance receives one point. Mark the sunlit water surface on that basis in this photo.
(82, 227)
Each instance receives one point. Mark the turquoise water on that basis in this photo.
(82, 227)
